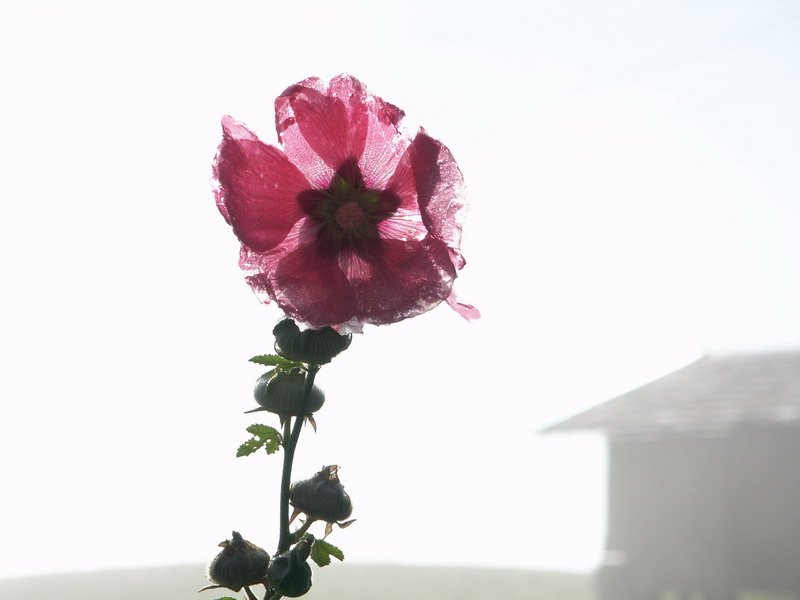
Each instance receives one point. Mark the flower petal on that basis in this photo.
(403, 279)
(385, 143)
(308, 285)
(321, 128)
(469, 312)
(258, 188)
(403, 183)
(440, 192)
(404, 225)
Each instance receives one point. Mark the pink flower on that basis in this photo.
(354, 220)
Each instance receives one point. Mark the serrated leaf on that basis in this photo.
(273, 360)
(322, 551)
(264, 431)
(264, 436)
(250, 446)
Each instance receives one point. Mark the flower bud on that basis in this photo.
(239, 564)
(289, 573)
(313, 346)
(322, 497)
(283, 394)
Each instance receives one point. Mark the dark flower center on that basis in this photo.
(348, 212)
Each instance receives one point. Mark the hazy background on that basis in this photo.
(633, 174)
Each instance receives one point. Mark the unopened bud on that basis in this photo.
(313, 346)
(283, 394)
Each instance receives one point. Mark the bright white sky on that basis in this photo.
(633, 174)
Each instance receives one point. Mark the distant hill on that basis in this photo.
(336, 582)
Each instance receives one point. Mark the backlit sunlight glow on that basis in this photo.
(631, 170)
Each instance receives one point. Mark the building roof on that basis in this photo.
(711, 396)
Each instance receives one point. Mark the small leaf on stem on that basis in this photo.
(264, 431)
(269, 374)
(263, 437)
(273, 360)
(322, 551)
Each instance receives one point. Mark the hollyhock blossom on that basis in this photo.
(353, 220)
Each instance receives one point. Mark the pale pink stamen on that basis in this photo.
(349, 216)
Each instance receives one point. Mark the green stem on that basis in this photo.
(285, 540)
(287, 430)
(298, 533)
(250, 594)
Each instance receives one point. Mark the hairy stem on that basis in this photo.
(285, 540)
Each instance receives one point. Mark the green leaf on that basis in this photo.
(269, 374)
(263, 437)
(273, 360)
(322, 551)
(263, 431)
(226, 598)
(250, 446)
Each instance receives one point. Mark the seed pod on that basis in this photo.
(289, 573)
(239, 564)
(283, 394)
(313, 346)
(322, 497)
